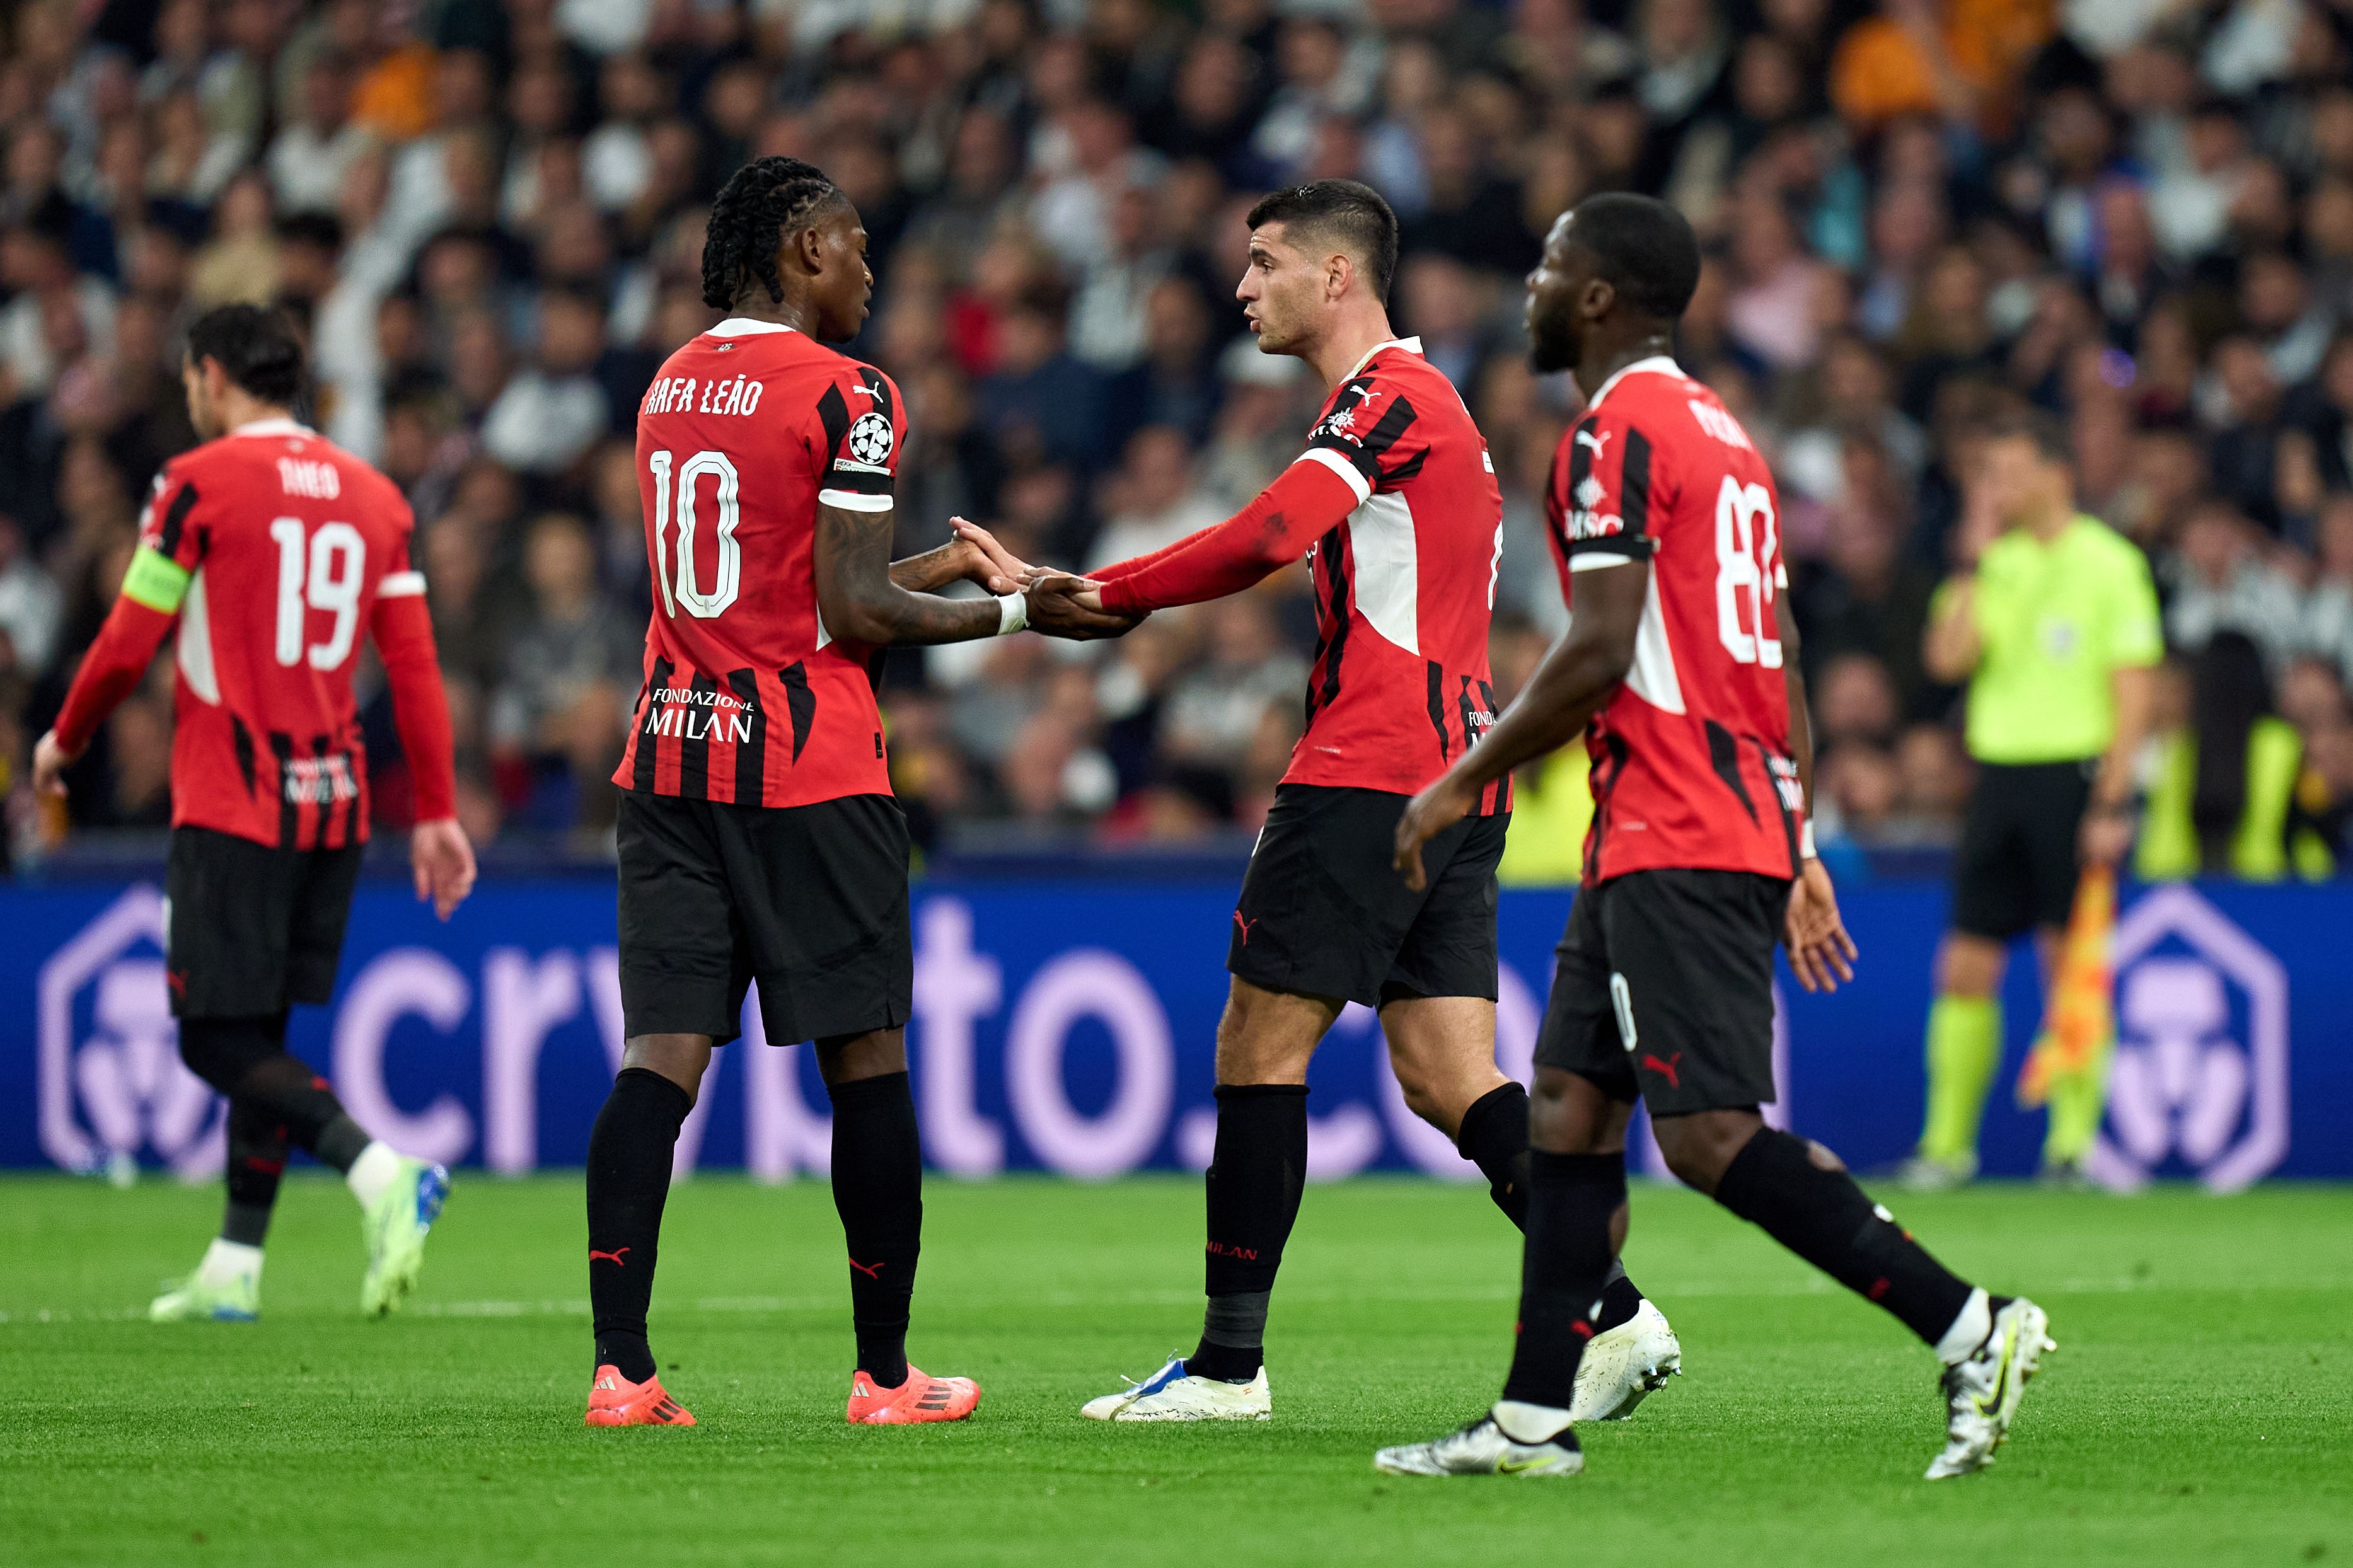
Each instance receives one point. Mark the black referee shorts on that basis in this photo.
(1323, 912)
(809, 900)
(1664, 989)
(2015, 869)
(251, 929)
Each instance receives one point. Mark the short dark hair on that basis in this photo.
(1351, 214)
(322, 229)
(1646, 248)
(758, 203)
(2050, 437)
(257, 345)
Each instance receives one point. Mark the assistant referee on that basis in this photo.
(2052, 620)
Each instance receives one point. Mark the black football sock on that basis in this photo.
(256, 1158)
(246, 1059)
(629, 1153)
(1254, 1182)
(1619, 1298)
(1571, 1201)
(878, 1190)
(1823, 1217)
(1495, 1139)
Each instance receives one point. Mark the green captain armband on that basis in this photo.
(155, 580)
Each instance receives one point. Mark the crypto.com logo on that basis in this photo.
(2200, 1070)
(115, 1084)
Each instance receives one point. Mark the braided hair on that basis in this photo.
(761, 201)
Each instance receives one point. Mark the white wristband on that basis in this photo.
(1806, 843)
(1012, 613)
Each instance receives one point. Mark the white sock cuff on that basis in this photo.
(225, 1260)
(1968, 1330)
(372, 1171)
(1519, 1419)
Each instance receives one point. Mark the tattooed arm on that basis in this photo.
(863, 599)
(860, 598)
(972, 556)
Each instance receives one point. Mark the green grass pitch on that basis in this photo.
(2197, 1410)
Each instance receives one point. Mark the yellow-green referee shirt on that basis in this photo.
(2056, 621)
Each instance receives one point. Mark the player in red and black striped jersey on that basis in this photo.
(1681, 665)
(758, 839)
(272, 551)
(1395, 503)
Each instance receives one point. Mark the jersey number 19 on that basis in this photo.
(323, 572)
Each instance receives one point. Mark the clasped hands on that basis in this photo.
(1060, 605)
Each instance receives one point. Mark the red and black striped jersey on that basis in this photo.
(1404, 585)
(1691, 753)
(288, 542)
(747, 697)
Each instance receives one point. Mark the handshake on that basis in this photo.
(1060, 605)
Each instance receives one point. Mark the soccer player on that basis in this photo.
(758, 837)
(273, 550)
(1395, 500)
(1682, 668)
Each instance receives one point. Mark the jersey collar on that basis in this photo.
(744, 327)
(1664, 365)
(278, 426)
(1411, 345)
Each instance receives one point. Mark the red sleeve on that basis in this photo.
(403, 630)
(1134, 564)
(1306, 502)
(111, 671)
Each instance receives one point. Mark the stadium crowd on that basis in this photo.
(2134, 214)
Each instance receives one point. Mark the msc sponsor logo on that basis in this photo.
(2199, 1081)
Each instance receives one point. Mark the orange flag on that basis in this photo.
(2081, 1018)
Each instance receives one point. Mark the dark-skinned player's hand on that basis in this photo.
(988, 562)
(1428, 815)
(1821, 953)
(1062, 606)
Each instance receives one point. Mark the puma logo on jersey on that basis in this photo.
(1600, 443)
(864, 391)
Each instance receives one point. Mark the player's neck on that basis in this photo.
(236, 411)
(1604, 360)
(1357, 336)
(797, 314)
(2049, 522)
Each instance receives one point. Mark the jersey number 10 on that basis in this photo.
(727, 576)
(323, 572)
(1744, 540)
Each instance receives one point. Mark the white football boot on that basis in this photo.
(1981, 1393)
(1483, 1448)
(1625, 1366)
(1173, 1394)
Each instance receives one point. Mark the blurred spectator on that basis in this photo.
(1920, 216)
(1151, 498)
(552, 411)
(30, 607)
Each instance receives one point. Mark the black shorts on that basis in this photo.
(2015, 866)
(1324, 913)
(249, 928)
(1664, 988)
(809, 901)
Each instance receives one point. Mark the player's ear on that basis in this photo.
(1337, 270)
(1599, 295)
